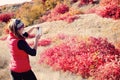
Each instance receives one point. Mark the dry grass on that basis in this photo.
(86, 25)
(4, 60)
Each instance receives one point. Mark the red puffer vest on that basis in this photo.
(19, 58)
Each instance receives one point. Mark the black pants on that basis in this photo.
(29, 75)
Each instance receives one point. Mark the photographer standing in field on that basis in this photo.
(20, 50)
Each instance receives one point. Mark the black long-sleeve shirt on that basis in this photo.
(23, 45)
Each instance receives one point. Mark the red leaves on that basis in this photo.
(3, 38)
(43, 1)
(80, 57)
(31, 36)
(107, 9)
(83, 2)
(109, 2)
(60, 12)
(73, 1)
(44, 42)
(70, 19)
(61, 9)
(6, 30)
(110, 11)
(5, 17)
(109, 71)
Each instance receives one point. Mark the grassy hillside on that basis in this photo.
(85, 26)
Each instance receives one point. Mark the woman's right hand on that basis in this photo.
(37, 25)
(37, 37)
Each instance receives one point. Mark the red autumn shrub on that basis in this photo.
(3, 38)
(62, 36)
(43, 1)
(60, 9)
(31, 43)
(5, 17)
(70, 19)
(109, 71)
(65, 17)
(84, 2)
(31, 36)
(92, 10)
(73, 1)
(109, 2)
(60, 12)
(81, 57)
(44, 42)
(109, 11)
(5, 30)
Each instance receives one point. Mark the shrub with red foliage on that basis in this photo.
(73, 1)
(5, 17)
(31, 36)
(81, 57)
(44, 42)
(70, 19)
(3, 38)
(109, 71)
(43, 1)
(62, 36)
(109, 2)
(92, 10)
(60, 12)
(84, 2)
(31, 43)
(60, 9)
(109, 11)
(6, 30)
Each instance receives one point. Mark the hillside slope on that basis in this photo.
(87, 25)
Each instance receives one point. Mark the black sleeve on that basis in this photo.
(24, 46)
(25, 34)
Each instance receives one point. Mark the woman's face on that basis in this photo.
(21, 30)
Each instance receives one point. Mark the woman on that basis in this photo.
(19, 49)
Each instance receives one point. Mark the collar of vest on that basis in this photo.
(12, 35)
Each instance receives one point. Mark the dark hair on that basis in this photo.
(13, 27)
